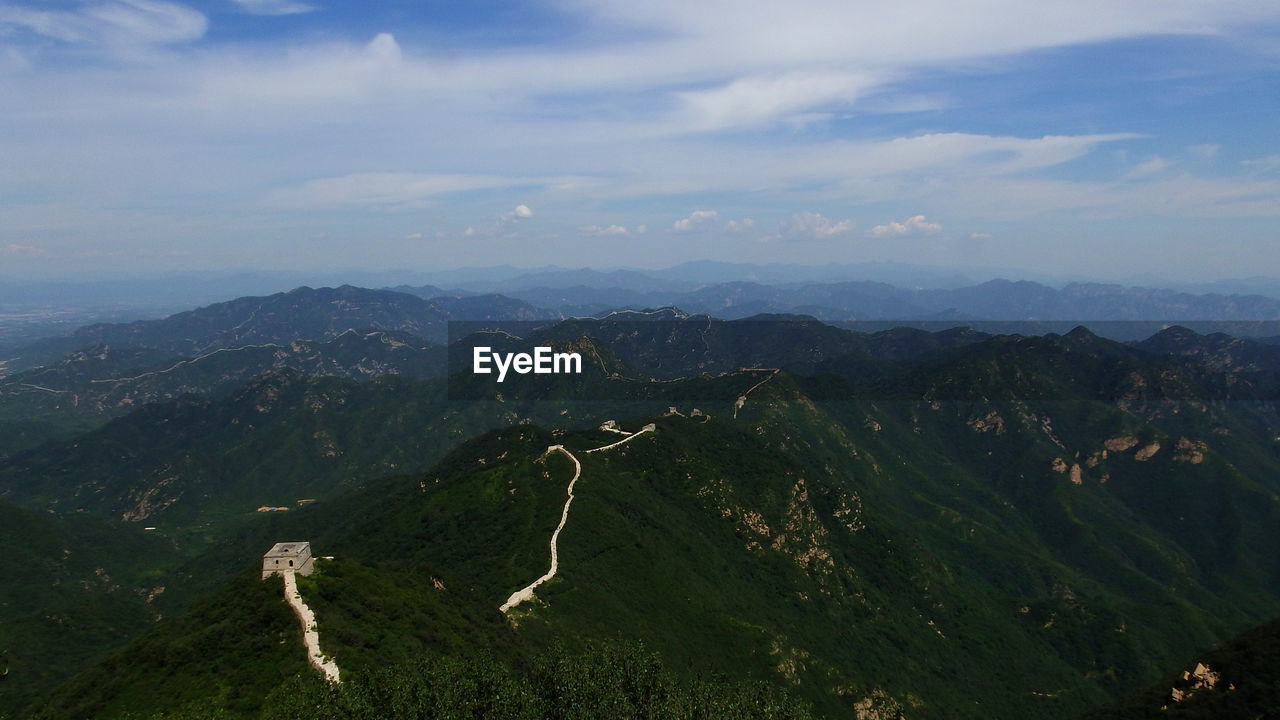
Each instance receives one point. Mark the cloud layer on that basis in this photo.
(149, 122)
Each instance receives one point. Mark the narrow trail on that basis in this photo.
(310, 636)
(526, 593)
(647, 428)
(742, 400)
(40, 387)
(182, 363)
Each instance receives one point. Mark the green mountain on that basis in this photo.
(1021, 527)
(88, 387)
(909, 524)
(669, 343)
(304, 313)
(57, 387)
(195, 466)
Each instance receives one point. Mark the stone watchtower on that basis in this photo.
(286, 556)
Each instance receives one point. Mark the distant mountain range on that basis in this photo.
(881, 291)
(996, 300)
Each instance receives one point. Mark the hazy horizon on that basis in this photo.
(889, 272)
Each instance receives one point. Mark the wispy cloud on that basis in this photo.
(1206, 151)
(110, 22)
(1270, 162)
(760, 99)
(604, 230)
(14, 250)
(1147, 168)
(274, 7)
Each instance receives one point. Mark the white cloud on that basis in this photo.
(470, 231)
(916, 225)
(816, 32)
(516, 214)
(979, 236)
(671, 115)
(742, 225)
(606, 230)
(810, 226)
(759, 99)
(274, 7)
(696, 220)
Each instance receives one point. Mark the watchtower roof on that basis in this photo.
(289, 549)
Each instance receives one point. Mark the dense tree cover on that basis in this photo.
(612, 680)
(70, 588)
(227, 652)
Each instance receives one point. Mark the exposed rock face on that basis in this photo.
(878, 706)
(755, 522)
(1147, 452)
(803, 536)
(791, 661)
(1201, 678)
(849, 512)
(1189, 451)
(991, 422)
(1120, 444)
(1077, 476)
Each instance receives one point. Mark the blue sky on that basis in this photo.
(1093, 138)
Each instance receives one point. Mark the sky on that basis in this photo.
(1098, 138)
